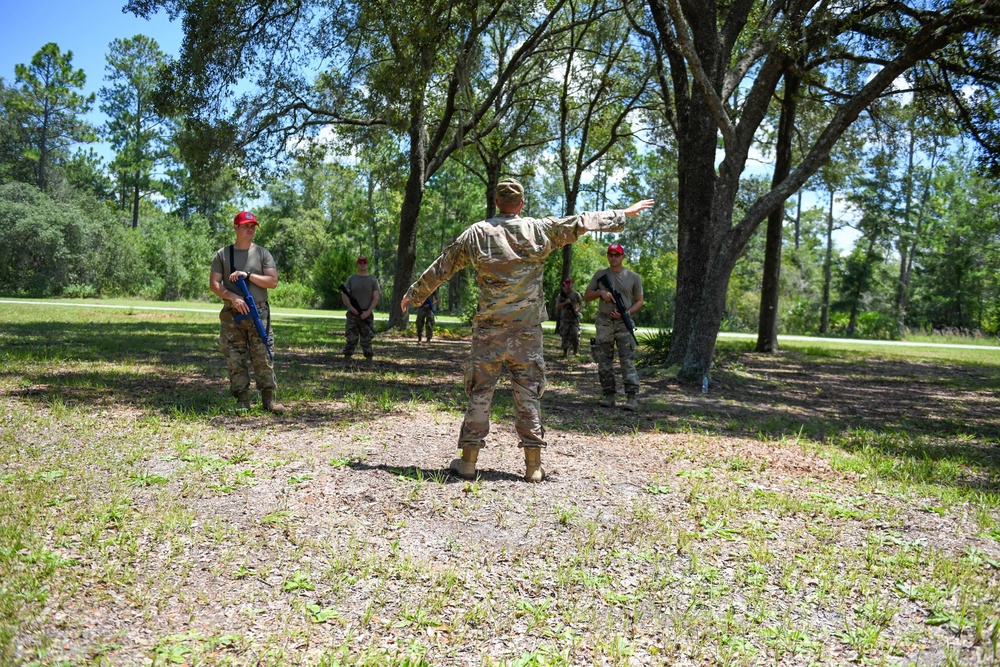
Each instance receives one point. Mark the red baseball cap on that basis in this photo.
(568, 281)
(362, 259)
(245, 218)
(616, 248)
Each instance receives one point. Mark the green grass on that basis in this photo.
(741, 529)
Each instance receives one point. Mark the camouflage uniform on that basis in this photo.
(425, 317)
(508, 253)
(362, 288)
(612, 332)
(569, 320)
(241, 346)
(239, 342)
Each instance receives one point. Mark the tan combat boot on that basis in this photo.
(242, 401)
(631, 403)
(533, 464)
(608, 401)
(267, 398)
(465, 467)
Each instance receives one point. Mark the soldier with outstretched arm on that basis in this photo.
(508, 253)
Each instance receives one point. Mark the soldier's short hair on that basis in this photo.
(509, 191)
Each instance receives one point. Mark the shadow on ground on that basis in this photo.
(175, 368)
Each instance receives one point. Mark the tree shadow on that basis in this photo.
(915, 409)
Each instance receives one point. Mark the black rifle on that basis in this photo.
(357, 306)
(619, 306)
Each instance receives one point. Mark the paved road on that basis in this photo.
(278, 313)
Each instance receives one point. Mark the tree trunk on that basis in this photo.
(824, 317)
(376, 262)
(700, 350)
(43, 154)
(493, 170)
(696, 242)
(902, 284)
(135, 202)
(767, 327)
(798, 220)
(567, 250)
(409, 214)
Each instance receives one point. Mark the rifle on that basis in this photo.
(356, 306)
(620, 306)
(254, 313)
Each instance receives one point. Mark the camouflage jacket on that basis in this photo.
(508, 253)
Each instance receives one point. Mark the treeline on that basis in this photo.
(398, 182)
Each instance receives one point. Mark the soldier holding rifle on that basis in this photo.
(360, 292)
(614, 328)
(239, 340)
(568, 304)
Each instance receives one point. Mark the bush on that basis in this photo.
(331, 269)
(871, 325)
(657, 346)
(291, 294)
(113, 262)
(295, 243)
(659, 286)
(180, 258)
(75, 291)
(802, 316)
(40, 242)
(876, 326)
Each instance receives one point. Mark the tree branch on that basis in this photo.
(700, 77)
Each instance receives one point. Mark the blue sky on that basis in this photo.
(85, 27)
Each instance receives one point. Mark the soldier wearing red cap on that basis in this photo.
(568, 305)
(360, 325)
(239, 342)
(612, 332)
(508, 253)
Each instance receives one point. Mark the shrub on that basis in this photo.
(657, 346)
(75, 291)
(176, 259)
(40, 241)
(291, 294)
(802, 316)
(331, 269)
(876, 326)
(296, 243)
(870, 324)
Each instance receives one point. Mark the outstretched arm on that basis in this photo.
(633, 210)
(451, 260)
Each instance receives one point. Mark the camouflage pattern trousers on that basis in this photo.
(358, 329)
(242, 347)
(425, 322)
(611, 333)
(569, 330)
(521, 350)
